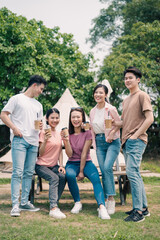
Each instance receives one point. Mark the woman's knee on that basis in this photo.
(70, 175)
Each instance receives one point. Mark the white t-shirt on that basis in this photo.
(23, 111)
(98, 121)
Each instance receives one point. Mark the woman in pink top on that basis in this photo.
(79, 165)
(50, 152)
(105, 141)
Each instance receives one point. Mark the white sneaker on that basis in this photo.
(102, 213)
(56, 213)
(77, 208)
(15, 212)
(110, 205)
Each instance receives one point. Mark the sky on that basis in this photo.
(72, 16)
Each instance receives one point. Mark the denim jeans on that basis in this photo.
(107, 153)
(91, 172)
(133, 150)
(56, 180)
(23, 159)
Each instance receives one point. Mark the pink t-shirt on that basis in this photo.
(52, 150)
(77, 143)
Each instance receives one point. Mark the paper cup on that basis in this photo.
(86, 126)
(48, 130)
(65, 131)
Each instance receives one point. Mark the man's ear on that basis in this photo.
(138, 80)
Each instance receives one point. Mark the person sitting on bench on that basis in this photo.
(50, 152)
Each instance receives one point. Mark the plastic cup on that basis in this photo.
(108, 123)
(48, 130)
(86, 126)
(37, 124)
(65, 131)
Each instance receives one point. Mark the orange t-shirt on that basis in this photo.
(52, 150)
(133, 116)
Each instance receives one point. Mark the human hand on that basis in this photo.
(80, 176)
(47, 135)
(41, 125)
(62, 170)
(63, 136)
(133, 137)
(17, 132)
(110, 138)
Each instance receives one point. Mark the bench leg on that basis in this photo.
(122, 180)
(31, 195)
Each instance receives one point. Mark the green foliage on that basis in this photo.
(28, 47)
(118, 18)
(141, 49)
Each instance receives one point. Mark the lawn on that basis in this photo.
(84, 226)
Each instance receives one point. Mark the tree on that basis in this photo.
(141, 49)
(118, 18)
(29, 47)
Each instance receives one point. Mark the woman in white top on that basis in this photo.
(105, 141)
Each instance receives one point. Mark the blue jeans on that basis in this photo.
(133, 150)
(23, 159)
(91, 172)
(56, 180)
(107, 153)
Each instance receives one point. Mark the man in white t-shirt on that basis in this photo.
(19, 115)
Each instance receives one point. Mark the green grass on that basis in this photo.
(84, 226)
(152, 164)
(5, 180)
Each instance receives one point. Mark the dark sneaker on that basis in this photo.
(130, 212)
(135, 216)
(15, 212)
(29, 207)
(146, 213)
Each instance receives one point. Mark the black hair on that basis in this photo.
(36, 79)
(50, 111)
(133, 70)
(71, 127)
(101, 86)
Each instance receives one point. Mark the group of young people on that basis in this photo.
(136, 118)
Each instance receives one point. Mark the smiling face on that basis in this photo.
(131, 82)
(53, 120)
(100, 95)
(76, 119)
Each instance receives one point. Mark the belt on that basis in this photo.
(100, 134)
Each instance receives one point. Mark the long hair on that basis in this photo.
(101, 86)
(71, 127)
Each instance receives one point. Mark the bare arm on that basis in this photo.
(61, 168)
(147, 122)
(86, 148)
(67, 145)
(5, 118)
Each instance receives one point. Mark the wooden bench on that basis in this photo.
(121, 177)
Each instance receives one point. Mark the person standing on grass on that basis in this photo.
(106, 142)
(50, 152)
(137, 116)
(23, 109)
(77, 147)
